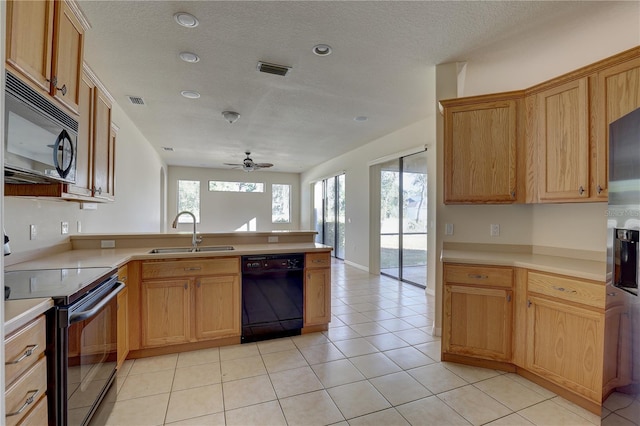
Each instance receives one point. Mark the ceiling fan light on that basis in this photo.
(230, 116)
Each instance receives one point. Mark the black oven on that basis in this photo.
(81, 338)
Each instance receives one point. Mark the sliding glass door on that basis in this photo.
(329, 212)
(403, 219)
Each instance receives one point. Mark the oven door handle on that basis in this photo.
(83, 315)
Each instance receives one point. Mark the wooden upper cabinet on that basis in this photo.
(562, 140)
(84, 166)
(480, 149)
(102, 148)
(30, 39)
(45, 42)
(617, 93)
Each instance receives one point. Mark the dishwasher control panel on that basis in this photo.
(265, 263)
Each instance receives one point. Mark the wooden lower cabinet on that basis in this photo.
(565, 345)
(478, 322)
(317, 289)
(166, 306)
(123, 326)
(217, 307)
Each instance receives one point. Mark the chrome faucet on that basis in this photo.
(194, 239)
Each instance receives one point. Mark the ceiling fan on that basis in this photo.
(248, 164)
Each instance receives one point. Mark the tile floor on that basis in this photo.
(377, 365)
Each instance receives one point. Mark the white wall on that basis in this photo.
(136, 209)
(233, 211)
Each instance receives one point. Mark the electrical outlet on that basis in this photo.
(33, 232)
(494, 230)
(448, 229)
(79, 226)
(272, 239)
(107, 243)
(64, 228)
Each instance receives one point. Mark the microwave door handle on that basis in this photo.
(62, 138)
(83, 315)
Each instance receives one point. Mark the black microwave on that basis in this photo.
(40, 139)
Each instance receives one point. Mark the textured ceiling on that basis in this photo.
(382, 67)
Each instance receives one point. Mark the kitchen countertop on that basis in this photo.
(579, 268)
(20, 312)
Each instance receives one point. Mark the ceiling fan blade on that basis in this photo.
(233, 164)
(263, 165)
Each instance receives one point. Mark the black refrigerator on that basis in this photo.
(622, 314)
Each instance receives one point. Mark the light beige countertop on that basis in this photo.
(119, 256)
(20, 312)
(574, 267)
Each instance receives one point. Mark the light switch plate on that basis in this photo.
(448, 229)
(64, 228)
(33, 232)
(494, 230)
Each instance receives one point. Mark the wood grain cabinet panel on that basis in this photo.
(123, 317)
(166, 307)
(67, 60)
(317, 296)
(480, 150)
(217, 307)
(23, 394)
(563, 142)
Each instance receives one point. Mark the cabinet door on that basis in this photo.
(317, 296)
(563, 142)
(480, 153)
(123, 326)
(67, 56)
(84, 164)
(565, 345)
(165, 312)
(477, 322)
(217, 307)
(617, 94)
(102, 146)
(30, 39)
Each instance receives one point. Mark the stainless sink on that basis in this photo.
(169, 250)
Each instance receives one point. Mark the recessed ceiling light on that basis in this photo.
(190, 94)
(322, 49)
(189, 57)
(186, 19)
(361, 118)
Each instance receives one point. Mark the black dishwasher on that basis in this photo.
(272, 296)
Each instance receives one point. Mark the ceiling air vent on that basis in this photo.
(273, 68)
(136, 100)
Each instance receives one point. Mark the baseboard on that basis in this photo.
(356, 265)
(436, 331)
(430, 291)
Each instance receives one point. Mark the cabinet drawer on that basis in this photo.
(25, 392)
(492, 276)
(38, 416)
(190, 268)
(23, 348)
(317, 260)
(570, 289)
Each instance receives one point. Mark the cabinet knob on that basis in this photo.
(54, 82)
(97, 190)
(186, 286)
(599, 189)
(581, 190)
(508, 298)
(513, 195)
(478, 276)
(528, 303)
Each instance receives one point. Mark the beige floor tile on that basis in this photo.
(529, 384)
(363, 307)
(125, 368)
(245, 350)
(196, 376)
(374, 365)
(216, 419)
(267, 413)
(431, 349)
(148, 410)
(195, 402)
(436, 378)
(470, 373)
(474, 405)
(509, 392)
(342, 309)
(615, 420)
(321, 353)
(387, 341)
(388, 417)
(355, 347)
(395, 324)
(146, 384)
(399, 388)
(511, 420)
(355, 318)
(632, 412)
(294, 382)
(379, 315)
(368, 329)
(357, 399)
(276, 345)
(418, 320)
(414, 336)
(245, 392)
(618, 400)
(156, 363)
(286, 360)
(203, 356)
(337, 373)
(310, 339)
(310, 409)
(550, 413)
(341, 333)
(408, 357)
(430, 411)
(241, 368)
(587, 415)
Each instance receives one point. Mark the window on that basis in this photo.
(189, 200)
(280, 203)
(222, 186)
